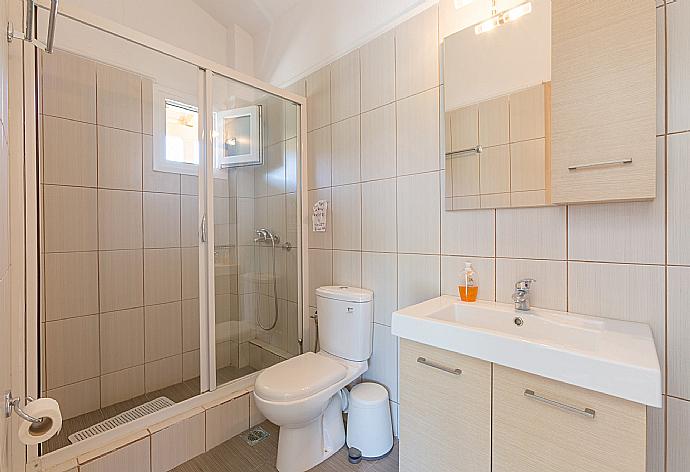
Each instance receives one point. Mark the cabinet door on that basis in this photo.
(533, 433)
(603, 100)
(445, 416)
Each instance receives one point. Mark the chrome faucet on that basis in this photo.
(521, 294)
(266, 235)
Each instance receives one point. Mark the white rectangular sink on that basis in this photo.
(609, 356)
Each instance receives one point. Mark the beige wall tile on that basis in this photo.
(122, 339)
(678, 66)
(70, 219)
(418, 203)
(494, 122)
(613, 241)
(345, 87)
(347, 268)
(119, 220)
(678, 209)
(147, 106)
(69, 86)
(494, 170)
(292, 158)
(71, 284)
(324, 239)
(120, 159)
(378, 71)
(542, 233)
(418, 278)
(464, 203)
(77, 398)
(189, 220)
(68, 361)
(678, 453)
(319, 99)
(379, 143)
(418, 133)
(320, 271)
(347, 217)
(465, 233)
(190, 325)
(162, 276)
(161, 220)
(528, 199)
(190, 365)
(153, 180)
(163, 373)
(345, 167)
(189, 185)
(464, 174)
(190, 272)
(275, 169)
(383, 363)
(550, 289)
(528, 165)
(119, 98)
(226, 421)
(122, 385)
(274, 115)
(255, 416)
(661, 69)
(678, 280)
(135, 457)
(527, 117)
(379, 218)
(416, 54)
(121, 278)
(453, 267)
(163, 331)
(621, 291)
(379, 274)
(319, 159)
(464, 128)
(494, 200)
(69, 152)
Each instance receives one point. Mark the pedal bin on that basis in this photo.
(369, 426)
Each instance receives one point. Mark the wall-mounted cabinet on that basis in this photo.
(604, 100)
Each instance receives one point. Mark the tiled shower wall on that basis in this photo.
(120, 309)
(374, 154)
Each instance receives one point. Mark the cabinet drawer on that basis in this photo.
(445, 411)
(555, 427)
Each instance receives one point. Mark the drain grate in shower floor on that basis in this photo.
(255, 435)
(123, 418)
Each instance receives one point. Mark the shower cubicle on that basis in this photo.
(169, 237)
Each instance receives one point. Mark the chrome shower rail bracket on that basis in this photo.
(28, 34)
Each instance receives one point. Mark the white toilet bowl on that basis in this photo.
(302, 396)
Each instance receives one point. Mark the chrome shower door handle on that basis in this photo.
(204, 229)
(50, 39)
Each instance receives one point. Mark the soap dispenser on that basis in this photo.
(469, 284)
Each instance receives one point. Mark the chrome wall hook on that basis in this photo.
(14, 404)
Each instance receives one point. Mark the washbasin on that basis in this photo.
(615, 357)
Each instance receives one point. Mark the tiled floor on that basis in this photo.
(236, 455)
(176, 393)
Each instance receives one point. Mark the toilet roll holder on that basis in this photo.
(14, 404)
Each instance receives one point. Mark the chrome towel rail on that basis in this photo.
(476, 149)
(588, 412)
(602, 163)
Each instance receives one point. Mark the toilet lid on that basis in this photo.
(298, 377)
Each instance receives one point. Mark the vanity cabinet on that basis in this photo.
(548, 426)
(603, 100)
(445, 410)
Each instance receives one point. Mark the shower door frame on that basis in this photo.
(23, 100)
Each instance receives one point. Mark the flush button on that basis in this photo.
(350, 309)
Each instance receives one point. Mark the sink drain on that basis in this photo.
(518, 321)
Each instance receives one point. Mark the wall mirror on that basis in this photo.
(497, 76)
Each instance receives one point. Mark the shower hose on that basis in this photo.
(275, 294)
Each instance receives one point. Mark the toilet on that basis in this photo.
(304, 395)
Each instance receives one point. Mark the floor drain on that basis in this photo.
(255, 435)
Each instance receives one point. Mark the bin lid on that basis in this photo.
(368, 395)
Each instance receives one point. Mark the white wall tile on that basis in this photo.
(379, 143)
(418, 208)
(319, 99)
(453, 267)
(189, 220)
(678, 452)
(378, 71)
(550, 289)
(656, 432)
(418, 278)
(380, 274)
(468, 233)
(613, 241)
(416, 54)
(345, 166)
(346, 211)
(345, 87)
(538, 233)
(622, 291)
(347, 268)
(418, 133)
(383, 364)
(320, 271)
(678, 280)
(379, 218)
(678, 209)
(678, 66)
(319, 158)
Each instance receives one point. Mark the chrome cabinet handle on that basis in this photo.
(475, 149)
(588, 412)
(436, 365)
(603, 163)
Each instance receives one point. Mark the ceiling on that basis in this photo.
(255, 16)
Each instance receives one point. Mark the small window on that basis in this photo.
(181, 132)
